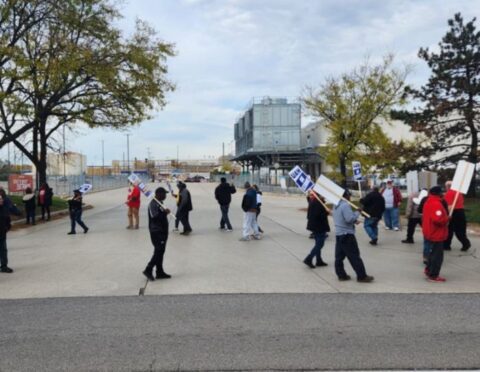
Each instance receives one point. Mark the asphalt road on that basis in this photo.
(241, 332)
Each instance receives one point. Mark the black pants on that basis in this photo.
(347, 246)
(159, 242)
(412, 223)
(435, 259)
(3, 252)
(458, 225)
(45, 208)
(225, 220)
(185, 222)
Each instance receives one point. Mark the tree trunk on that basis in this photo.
(343, 171)
(42, 158)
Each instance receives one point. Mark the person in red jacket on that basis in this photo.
(435, 230)
(133, 203)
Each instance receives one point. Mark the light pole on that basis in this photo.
(128, 152)
(64, 154)
(103, 159)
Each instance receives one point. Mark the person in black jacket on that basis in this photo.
(75, 207)
(373, 204)
(158, 227)
(223, 194)
(317, 223)
(184, 207)
(4, 228)
(30, 205)
(8, 204)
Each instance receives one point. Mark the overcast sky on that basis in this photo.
(232, 50)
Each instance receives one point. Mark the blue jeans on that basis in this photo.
(225, 220)
(319, 241)
(427, 248)
(371, 227)
(3, 252)
(76, 217)
(391, 217)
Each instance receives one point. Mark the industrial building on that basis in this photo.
(268, 139)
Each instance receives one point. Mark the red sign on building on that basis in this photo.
(19, 182)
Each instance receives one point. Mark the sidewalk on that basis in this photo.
(108, 261)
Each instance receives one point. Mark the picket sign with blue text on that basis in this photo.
(301, 179)
(86, 187)
(304, 183)
(134, 179)
(357, 170)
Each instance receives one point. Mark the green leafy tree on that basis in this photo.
(354, 107)
(70, 64)
(449, 114)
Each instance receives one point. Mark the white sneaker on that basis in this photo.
(229, 230)
(257, 237)
(396, 229)
(387, 228)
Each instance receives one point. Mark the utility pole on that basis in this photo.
(103, 158)
(223, 154)
(178, 167)
(64, 154)
(128, 152)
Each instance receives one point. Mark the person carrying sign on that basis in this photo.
(317, 223)
(435, 230)
(75, 207)
(458, 221)
(158, 227)
(133, 203)
(346, 244)
(184, 207)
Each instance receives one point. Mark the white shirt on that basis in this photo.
(388, 196)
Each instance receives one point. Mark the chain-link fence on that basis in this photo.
(63, 186)
(259, 180)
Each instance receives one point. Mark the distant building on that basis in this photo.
(268, 137)
(68, 164)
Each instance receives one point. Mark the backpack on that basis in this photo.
(246, 203)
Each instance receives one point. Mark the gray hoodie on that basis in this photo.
(344, 218)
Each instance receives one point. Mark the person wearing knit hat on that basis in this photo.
(435, 230)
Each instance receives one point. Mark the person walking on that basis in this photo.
(223, 195)
(75, 206)
(317, 217)
(435, 230)
(5, 226)
(30, 206)
(158, 228)
(393, 198)
(133, 204)
(249, 206)
(413, 216)
(184, 208)
(45, 195)
(346, 244)
(259, 205)
(458, 221)
(373, 204)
